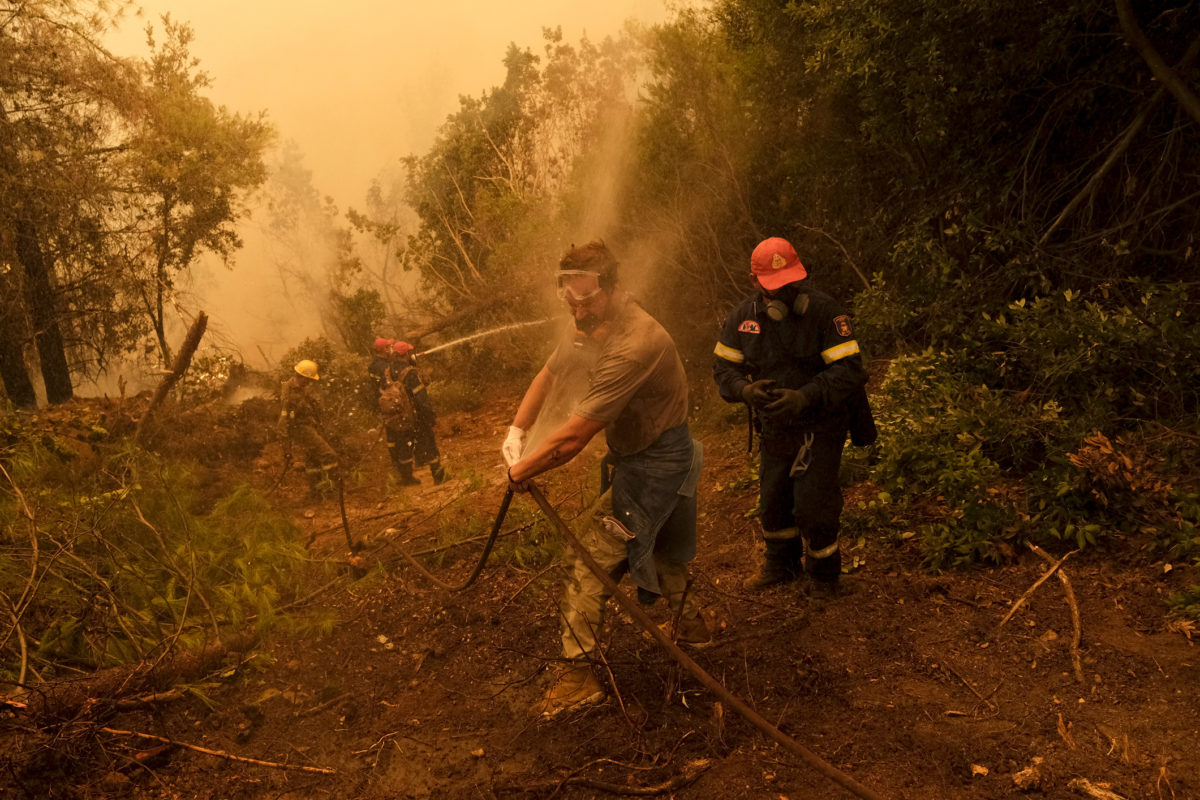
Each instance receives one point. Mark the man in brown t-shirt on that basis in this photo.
(645, 522)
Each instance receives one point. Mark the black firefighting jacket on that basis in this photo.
(815, 352)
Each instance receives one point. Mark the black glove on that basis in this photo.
(759, 393)
(788, 403)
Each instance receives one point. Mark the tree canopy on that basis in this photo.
(115, 174)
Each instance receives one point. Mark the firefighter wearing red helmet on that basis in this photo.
(408, 417)
(788, 351)
(381, 359)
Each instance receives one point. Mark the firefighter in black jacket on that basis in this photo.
(788, 351)
(378, 368)
(409, 419)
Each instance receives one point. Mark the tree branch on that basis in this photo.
(1122, 145)
(1169, 78)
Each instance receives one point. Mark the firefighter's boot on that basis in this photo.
(823, 562)
(406, 475)
(438, 472)
(781, 564)
(574, 687)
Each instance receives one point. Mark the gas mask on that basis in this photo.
(788, 300)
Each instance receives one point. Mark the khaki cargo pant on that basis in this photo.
(584, 595)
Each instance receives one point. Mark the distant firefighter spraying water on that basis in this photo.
(645, 523)
(408, 416)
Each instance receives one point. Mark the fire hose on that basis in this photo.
(733, 701)
(487, 550)
(643, 620)
(341, 487)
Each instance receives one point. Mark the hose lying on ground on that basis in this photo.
(698, 672)
(487, 549)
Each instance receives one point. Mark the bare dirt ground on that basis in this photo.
(904, 683)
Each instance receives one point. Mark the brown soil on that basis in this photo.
(904, 683)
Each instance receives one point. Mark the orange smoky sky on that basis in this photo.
(358, 84)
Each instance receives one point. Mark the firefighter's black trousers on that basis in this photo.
(801, 498)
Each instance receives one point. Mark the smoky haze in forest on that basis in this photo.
(351, 88)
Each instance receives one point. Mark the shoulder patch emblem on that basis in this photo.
(748, 326)
(841, 324)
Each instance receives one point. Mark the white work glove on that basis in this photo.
(513, 446)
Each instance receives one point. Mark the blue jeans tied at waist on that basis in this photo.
(654, 496)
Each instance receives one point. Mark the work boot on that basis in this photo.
(772, 573)
(781, 564)
(573, 688)
(692, 632)
(438, 472)
(406, 476)
(828, 588)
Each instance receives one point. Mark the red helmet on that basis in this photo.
(382, 346)
(401, 348)
(775, 263)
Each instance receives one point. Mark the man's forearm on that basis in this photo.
(535, 397)
(563, 444)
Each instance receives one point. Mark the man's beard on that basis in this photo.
(588, 325)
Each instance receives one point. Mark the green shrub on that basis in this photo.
(1036, 427)
(138, 560)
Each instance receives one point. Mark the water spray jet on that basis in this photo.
(482, 334)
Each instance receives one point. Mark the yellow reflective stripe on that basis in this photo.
(729, 353)
(781, 535)
(824, 552)
(839, 351)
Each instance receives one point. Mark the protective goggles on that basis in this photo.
(577, 286)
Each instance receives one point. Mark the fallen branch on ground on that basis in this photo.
(691, 771)
(222, 754)
(1098, 791)
(1077, 632)
(68, 699)
(1029, 592)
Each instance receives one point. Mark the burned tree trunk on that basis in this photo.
(13, 373)
(182, 362)
(27, 248)
(47, 334)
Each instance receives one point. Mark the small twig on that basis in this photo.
(966, 683)
(301, 601)
(525, 586)
(691, 771)
(1077, 625)
(327, 704)
(1029, 592)
(130, 703)
(222, 754)
(1098, 791)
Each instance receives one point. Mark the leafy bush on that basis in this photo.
(1036, 427)
(1118, 353)
(139, 561)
